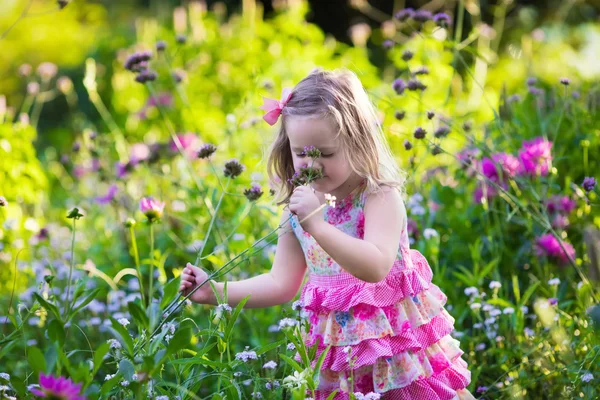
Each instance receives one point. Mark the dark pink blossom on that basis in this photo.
(536, 157)
(547, 245)
(58, 388)
(190, 143)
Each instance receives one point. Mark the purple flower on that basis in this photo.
(412, 228)
(547, 245)
(421, 71)
(254, 193)
(422, 15)
(399, 85)
(399, 115)
(388, 44)
(407, 144)
(161, 45)
(565, 81)
(57, 388)
(138, 61)
(233, 168)
(442, 131)
(560, 222)
(139, 152)
(508, 163)
(153, 209)
(122, 169)
(415, 84)
(487, 191)
(164, 99)
(407, 55)
(442, 19)
(146, 76)
(553, 301)
(419, 133)
(589, 183)
(531, 81)
(482, 389)
(109, 196)
(405, 14)
(536, 157)
(207, 150)
(190, 143)
(535, 91)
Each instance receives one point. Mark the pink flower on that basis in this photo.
(139, 152)
(190, 143)
(153, 209)
(109, 196)
(57, 388)
(547, 245)
(536, 157)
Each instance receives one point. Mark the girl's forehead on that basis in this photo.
(306, 131)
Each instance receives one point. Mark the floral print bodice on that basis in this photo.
(348, 216)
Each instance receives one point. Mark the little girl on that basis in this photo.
(368, 294)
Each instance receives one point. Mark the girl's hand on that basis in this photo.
(191, 277)
(302, 203)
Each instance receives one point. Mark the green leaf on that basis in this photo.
(138, 314)
(36, 359)
(48, 306)
(234, 315)
(109, 384)
(91, 296)
(332, 395)
(529, 292)
(293, 363)
(99, 356)
(126, 369)
(317, 369)
(170, 291)
(56, 332)
(270, 346)
(122, 333)
(181, 339)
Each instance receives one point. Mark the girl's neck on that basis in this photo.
(346, 188)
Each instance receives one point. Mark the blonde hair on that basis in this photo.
(338, 95)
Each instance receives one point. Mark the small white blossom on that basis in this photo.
(295, 381)
(4, 388)
(471, 291)
(114, 344)
(429, 233)
(257, 395)
(475, 306)
(134, 377)
(291, 346)
(554, 282)
(478, 325)
(587, 377)
(246, 355)
(329, 199)
(368, 396)
(161, 398)
(237, 374)
(270, 365)
(287, 322)
(123, 321)
(125, 383)
(487, 307)
(529, 332)
(495, 285)
(5, 376)
(494, 312)
(508, 310)
(347, 349)
(297, 305)
(525, 309)
(224, 307)
(108, 377)
(480, 347)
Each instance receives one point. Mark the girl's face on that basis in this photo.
(320, 133)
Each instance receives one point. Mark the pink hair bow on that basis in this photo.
(274, 107)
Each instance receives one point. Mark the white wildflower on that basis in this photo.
(291, 346)
(429, 233)
(246, 355)
(475, 306)
(123, 321)
(471, 291)
(508, 310)
(554, 282)
(587, 377)
(495, 285)
(114, 344)
(270, 365)
(287, 322)
(5, 376)
(125, 383)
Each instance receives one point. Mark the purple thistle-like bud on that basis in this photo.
(430, 114)
(553, 301)
(146, 76)
(531, 81)
(421, 71)
(535, 91)
(589, 183)
(254, 193)
(442, 19)
(161, 45)
(422, 16)
(565, 81)
(420, 133)
(407, 55)
(134, 60)
(181, 38)
(312, 152)
(441, 132)
(405, 14)
(436, 150)
(399, 85)
(178, 76)
(414, 84)
(467, 126)
(206, 151)
(407, 144)
(399, 115)
(76, 146)
(233, 168)
(388, 44)
(62, 3)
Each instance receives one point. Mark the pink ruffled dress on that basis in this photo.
(397, 329)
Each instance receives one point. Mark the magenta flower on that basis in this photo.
(57, 388)
(536, 157)
(547, 245)
(190, 144)
(589, 183)
(109, 196)
(153, 209)
(560, 204)
(489, 192)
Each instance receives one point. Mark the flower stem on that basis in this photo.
(136, 256)
(68, 305)
(151, 264)
(212, 221)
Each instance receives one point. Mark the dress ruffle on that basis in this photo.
(408, 276)
(369, 351)
(450, 384)
(342, 328)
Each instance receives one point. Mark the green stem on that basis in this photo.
(136, 257)
(212, 221)
(150, 289)
(68, 305)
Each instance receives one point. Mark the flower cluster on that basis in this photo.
(138, 62)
